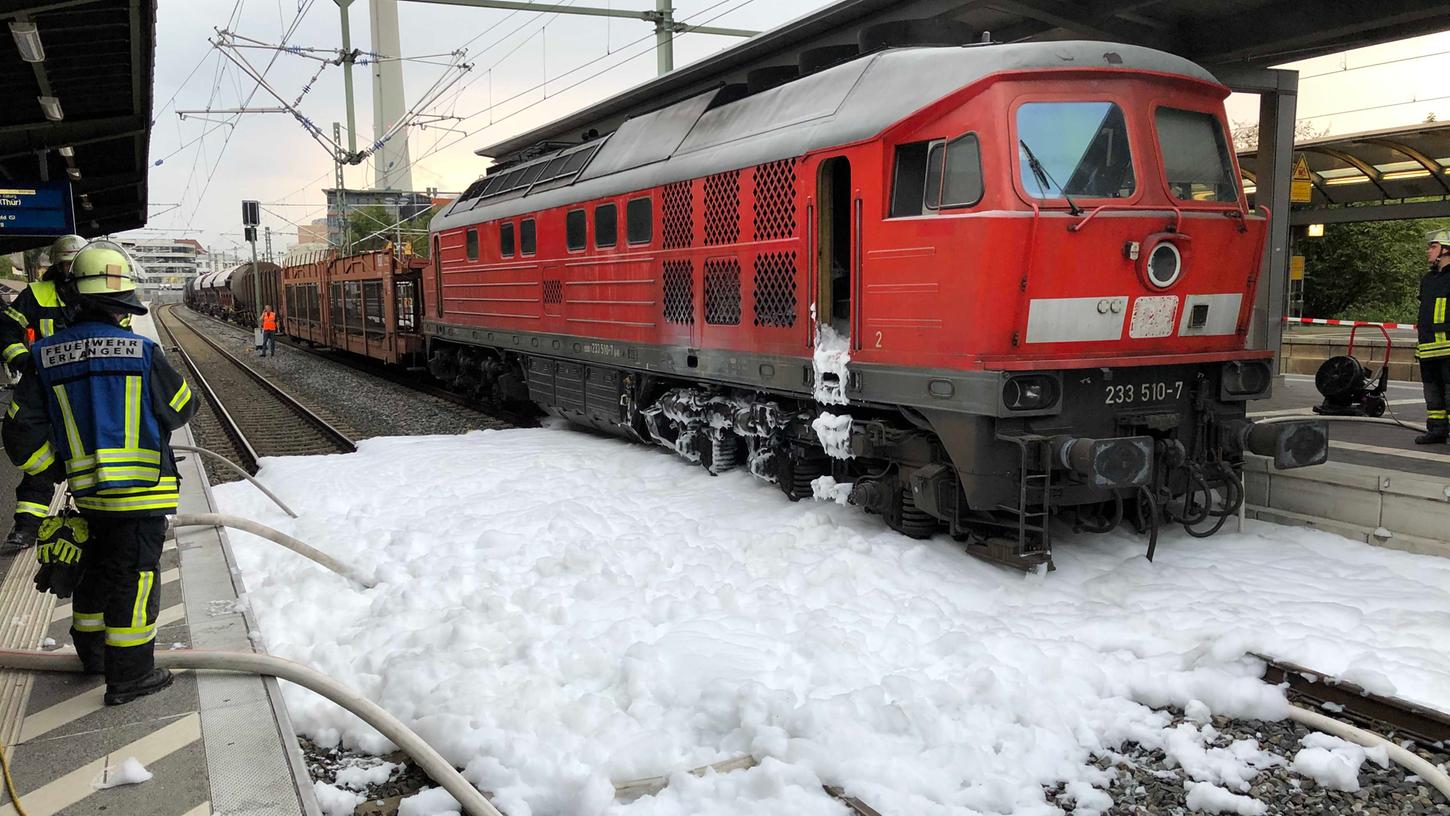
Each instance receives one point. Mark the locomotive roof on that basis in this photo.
(847, 103)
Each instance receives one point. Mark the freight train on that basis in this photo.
(978, 290)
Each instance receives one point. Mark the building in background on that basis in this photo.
(405, 204)
(314, 233)
(166, 263)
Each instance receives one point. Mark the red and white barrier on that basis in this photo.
(1319, 321)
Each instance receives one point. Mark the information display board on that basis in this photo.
(41, 208)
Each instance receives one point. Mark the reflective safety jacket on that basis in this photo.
(99, 409)
(38, 307)
(269, 321)
(1434, 322)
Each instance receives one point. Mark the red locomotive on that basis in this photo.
(982, 286)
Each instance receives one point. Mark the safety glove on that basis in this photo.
(59, 551)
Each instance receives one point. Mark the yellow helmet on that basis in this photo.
(105, 273)
(65, 248)
(1439, 236)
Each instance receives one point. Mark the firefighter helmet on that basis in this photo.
(65, 248)
(104, 273)
(1439, 236)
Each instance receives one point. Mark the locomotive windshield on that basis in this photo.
(1081, 149)
(1195, 156)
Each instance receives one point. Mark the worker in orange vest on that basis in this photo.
(269, 331)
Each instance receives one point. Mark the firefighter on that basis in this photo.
(1433, 349)
(98, 407)
(38, 311)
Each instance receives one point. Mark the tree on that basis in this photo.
(1246, 134)
(369, 228)
(1367, 271)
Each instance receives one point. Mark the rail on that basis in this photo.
(331, 437)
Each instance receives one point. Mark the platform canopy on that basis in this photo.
(1380, 175)
(1224, 35)
(94, 69)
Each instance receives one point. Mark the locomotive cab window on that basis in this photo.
(1195, 156)
(471, 241)
(528, 237)
(1074, 149)
(937, 175)
(506, 239)
(639, 221)
(606, 225)
(575, 229)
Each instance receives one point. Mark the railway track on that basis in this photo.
(255, 416)
(1352, 703)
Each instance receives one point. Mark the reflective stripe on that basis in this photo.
(43, 458)
(115, 473)
(47, 327)
(143, 591)
(133, 411)
(181, 398)
(13, 409)
(1438, 414)
(87, 622)
(102, 504)
(72, 433)
(18, 318)
(30, 508)
(130, 636)
(1440, 310)
(128, 455)
(14, 350)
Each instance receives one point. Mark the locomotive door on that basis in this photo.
(833, 245)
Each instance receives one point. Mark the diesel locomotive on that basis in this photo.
(979, 290)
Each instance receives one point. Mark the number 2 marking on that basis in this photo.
(878, 339)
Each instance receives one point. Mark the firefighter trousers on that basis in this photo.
(117, 600)
(1435, 375)
(32, 501)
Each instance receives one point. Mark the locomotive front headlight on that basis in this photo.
(1165, 265)
(1243, 379)
(1031, 392)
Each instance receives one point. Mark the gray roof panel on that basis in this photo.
(650, 138)
(842, 105)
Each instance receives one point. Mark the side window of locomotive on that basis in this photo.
(575, 230)
(471, 240)
(1195, 156)
(1077, 149)
(909, 186)
(606, 225)
(528, 238)
(639, 221)
(506, 239)
(961, 173)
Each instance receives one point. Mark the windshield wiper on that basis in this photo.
(1044, 181)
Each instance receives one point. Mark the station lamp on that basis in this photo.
(1315, 231)
(51, 106)
(27, 40)
(67, 152)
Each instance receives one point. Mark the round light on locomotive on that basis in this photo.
(1029, 393)
(1165, 265)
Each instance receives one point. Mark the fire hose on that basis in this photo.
(438, 769)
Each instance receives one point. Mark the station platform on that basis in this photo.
(215, 743)
(1378, 486)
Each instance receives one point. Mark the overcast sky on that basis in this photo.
(207, 168)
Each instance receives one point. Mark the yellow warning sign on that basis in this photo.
(1301, 182)
(1296, 268)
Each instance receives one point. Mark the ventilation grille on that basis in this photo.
(679, 298)
(722, 208)
(775, 289)
(678, 229)
(775, 200)
(722, 291)
(553, 292)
